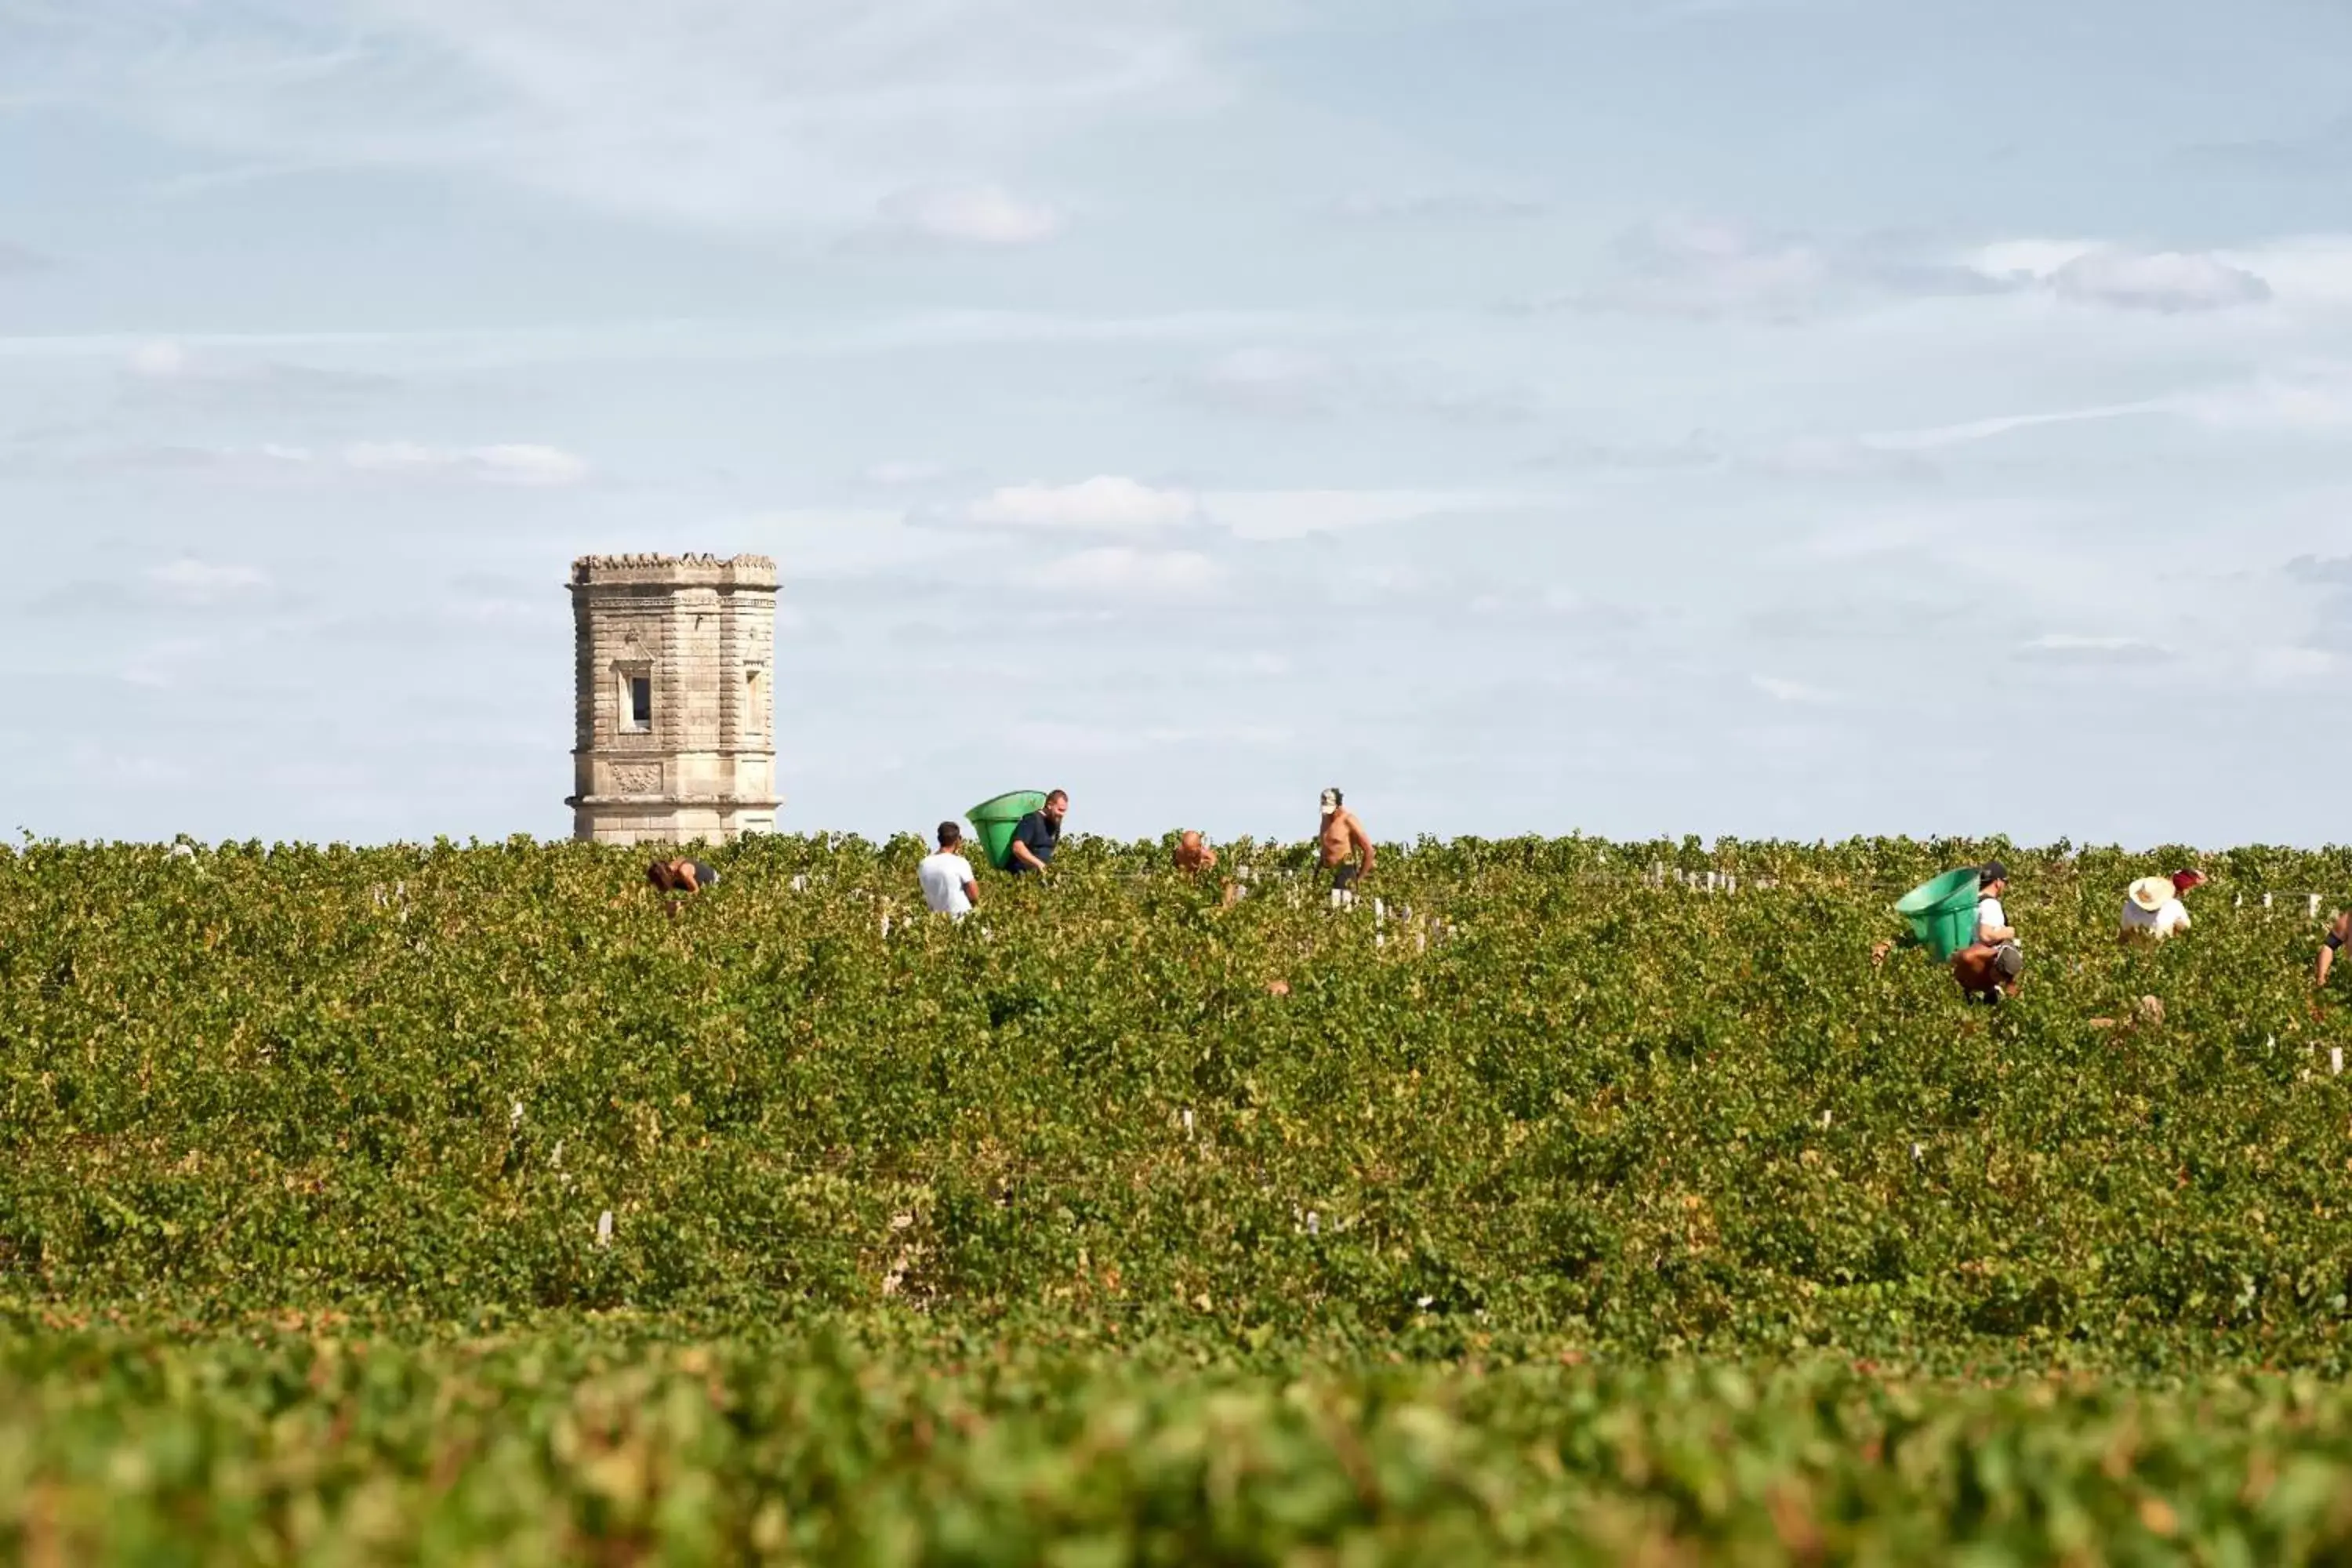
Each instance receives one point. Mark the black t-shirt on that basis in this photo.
(1040, 835)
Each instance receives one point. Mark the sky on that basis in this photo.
(1791, 418)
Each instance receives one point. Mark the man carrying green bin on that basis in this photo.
(1019, 831)
(1990, 966)
(1037, 835)
(1959, 918)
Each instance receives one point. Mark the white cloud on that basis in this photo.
(2027, 260)
(159, 361)
(169, 370)
(1793, 692)
(164, 664)
(1837, 458)
(728, 340)
(1108, 502)
(195, 582)
(2074, 647)
(268, 462)
(1290, 514)
(788, 111)
(2002, 424)
(522, 465)
(2318, 400)
(2288, 664)
(1053, 738)
(1706, 269)
(1696, 268)
(1262, 380)
(2168, 281)
(526, 464)
(1434, 207)
(2085, 272)
(966, 214)
(1259, 380)
(2315, 270)
(897, 473)
(1119, 571)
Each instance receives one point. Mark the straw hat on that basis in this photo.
(2152, 893)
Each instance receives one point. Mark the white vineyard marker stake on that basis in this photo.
(604, 1228)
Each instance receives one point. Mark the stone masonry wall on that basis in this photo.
(703, 630)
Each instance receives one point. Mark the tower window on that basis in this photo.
(638, 709)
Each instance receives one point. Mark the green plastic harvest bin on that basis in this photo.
(1943, 913)
(995, 820)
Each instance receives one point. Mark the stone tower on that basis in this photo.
(675, 708)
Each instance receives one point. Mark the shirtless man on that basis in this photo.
(681, 876)
(1345, 847)
(2339, 931)
(675, 877)
(1192, 855)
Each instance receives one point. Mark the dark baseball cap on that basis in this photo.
(1992, 871)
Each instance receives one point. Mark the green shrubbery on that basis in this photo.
(1551, 1100)
(589, 1446)
(1534, 1106)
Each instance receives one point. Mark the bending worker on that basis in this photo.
(2339, 931)
(1989, 968)
(681, 876)
(672, 877)
(1034, 837)
(2152, 906)
(1192, 857)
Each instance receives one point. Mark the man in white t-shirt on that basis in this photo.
(1989, 967)
(2152, 906)
(946, 877)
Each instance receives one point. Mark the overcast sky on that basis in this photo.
(1791, 417)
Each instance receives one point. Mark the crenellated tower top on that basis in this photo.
(744, 571)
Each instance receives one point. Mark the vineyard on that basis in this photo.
(1556, 1200)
